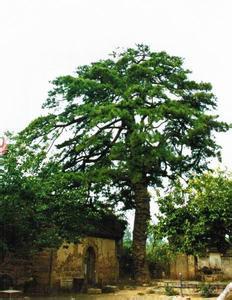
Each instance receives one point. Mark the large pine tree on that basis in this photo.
(126, 123)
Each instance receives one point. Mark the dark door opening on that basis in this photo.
(90, 268)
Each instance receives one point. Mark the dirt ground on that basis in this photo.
(125, 293)
(136, 294)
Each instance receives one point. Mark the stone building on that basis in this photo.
(93, 261)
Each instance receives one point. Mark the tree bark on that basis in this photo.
(142, 217)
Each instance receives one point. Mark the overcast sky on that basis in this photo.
(42, 39)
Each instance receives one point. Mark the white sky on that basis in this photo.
(42, 39)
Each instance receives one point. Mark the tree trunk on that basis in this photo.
(142, 216)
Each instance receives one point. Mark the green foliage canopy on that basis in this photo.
(135, 117)
(197, 217)
(39, 211)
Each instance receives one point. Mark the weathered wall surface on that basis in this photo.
(20, 270)
(69, 262)
(184, 265)
(42, 267)
(212, 260)
(221, 266)
(227, 267)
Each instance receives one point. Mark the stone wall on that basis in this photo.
(184, 265)
(218, 265)
(227, 267)
(212, 261)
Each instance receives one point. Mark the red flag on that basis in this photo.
(3, 146)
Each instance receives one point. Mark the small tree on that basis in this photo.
(198, 217)
(125, 123)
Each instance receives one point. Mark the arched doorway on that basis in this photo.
(90, 266)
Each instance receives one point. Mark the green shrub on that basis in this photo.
(207, 290)
(169, 291)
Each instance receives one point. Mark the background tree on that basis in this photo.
(126, 258)
(159, 257)
(198, 217)
(125, 123)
